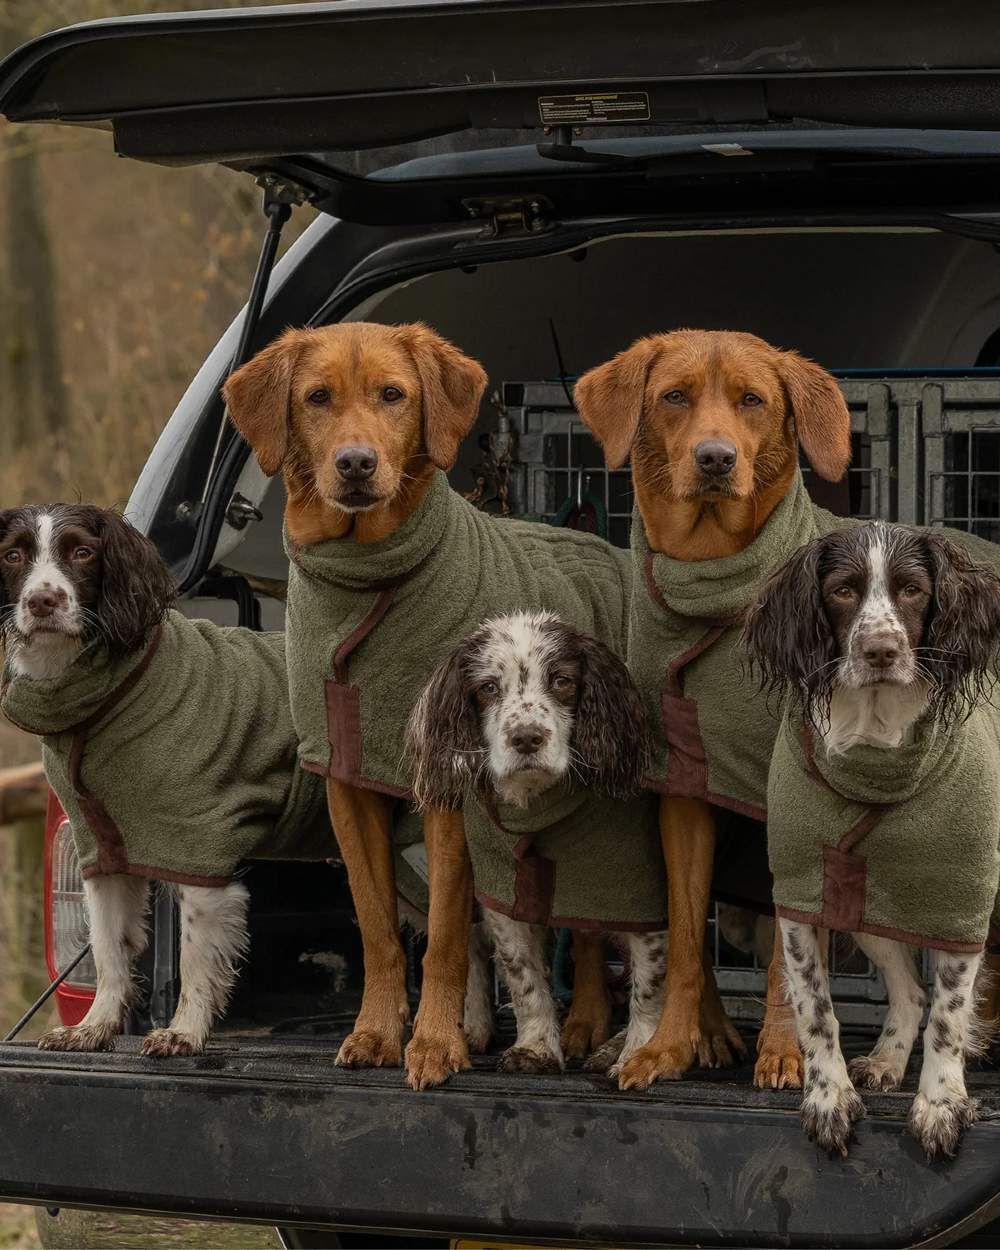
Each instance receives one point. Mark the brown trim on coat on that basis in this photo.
(363, 783)
(158, 874)
(363, 628)
(112, 854)
(716, 800)
(574, 922)
(845, 874)
(877, 930)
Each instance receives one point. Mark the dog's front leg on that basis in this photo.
(687, 830)
(885, 1067)
(588, 1022)
(779, 1059)
(830, 1104)
(520, 950)
(116, 906)
(362, 823)
(942, 1109)
(438, 1047)
(213, 941)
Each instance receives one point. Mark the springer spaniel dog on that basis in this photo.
(71, 574)
(880, 636)
(504, 718)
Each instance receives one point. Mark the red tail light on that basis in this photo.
(65, 916)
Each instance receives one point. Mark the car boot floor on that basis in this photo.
(302, 1058)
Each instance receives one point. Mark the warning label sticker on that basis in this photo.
(598, 107)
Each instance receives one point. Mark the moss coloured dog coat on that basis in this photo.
(570, 858)
(178, 762)
(713, 733)
(369, 623)
(900, 843)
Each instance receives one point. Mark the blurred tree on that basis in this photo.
(30, 365)
(117, 278)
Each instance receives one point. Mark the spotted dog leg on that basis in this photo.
(648, 959)
(830, 1104)
(885, 1067)
(942, 1109)
(116, 906)
(213, 941)
(520, 951)
(647, 954)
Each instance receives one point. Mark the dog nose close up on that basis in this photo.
(356, 464)
(881, 652)
(42, 603)
(527, 739)
(715, 457)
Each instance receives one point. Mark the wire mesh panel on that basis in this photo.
(557, 460)
(960, 424)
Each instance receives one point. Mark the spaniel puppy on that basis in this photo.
(885, 639)
(522, 709)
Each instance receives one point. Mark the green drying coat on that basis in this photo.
(177, 762)
(901, 843)
(572, 859)
(713, 733)
(368, 623)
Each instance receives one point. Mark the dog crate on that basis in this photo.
(926, 450)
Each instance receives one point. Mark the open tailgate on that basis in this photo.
(232, 84)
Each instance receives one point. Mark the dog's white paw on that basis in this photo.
(86, 1037)
(608, 1059)
(162, 1043)
(938, 1123)
(829, 1112)
(880, 1072)
(537, 1060)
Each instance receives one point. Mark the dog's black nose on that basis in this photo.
(356, 464)
(527, 739)
(43, 602)
(716, 457)
(881, 652)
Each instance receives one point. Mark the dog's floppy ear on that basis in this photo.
(6, 516)
(136, 586)
(610, 731)
(610, 398)
(443, 742)
(822, 418)
(962, 647)
(452, 386)
(787, 632)
(258, 397)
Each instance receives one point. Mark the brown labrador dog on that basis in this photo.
(312, 404)
(712, 421)
(358, 417)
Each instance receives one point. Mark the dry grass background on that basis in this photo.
(116, 280)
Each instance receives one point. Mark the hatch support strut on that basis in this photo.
(277, 208)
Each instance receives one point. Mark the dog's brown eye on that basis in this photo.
(319, 396)
(843, 592)
(392, 394)
(560, 682)
(13, 556)
(674, 397)
(913, 589)
(752, 400)
(489, 688)
(82, 553)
